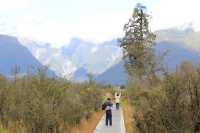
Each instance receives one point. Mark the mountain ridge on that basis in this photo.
(98, 59)
(12, 54)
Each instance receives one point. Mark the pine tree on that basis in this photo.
(138, 44)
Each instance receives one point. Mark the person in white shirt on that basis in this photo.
(117, 99)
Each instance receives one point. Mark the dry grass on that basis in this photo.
(88, 126)
(13, 127)
(128, 118)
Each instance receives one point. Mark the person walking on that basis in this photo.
(107, 106)
(117, 100)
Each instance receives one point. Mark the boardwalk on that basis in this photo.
(117, 127)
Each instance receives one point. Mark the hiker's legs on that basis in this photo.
(110, 119)
(117, 106)
(107, 118)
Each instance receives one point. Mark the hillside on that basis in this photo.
(77, 54)
(13, 53)
(79, 57)
(114, 75)
(177, 51)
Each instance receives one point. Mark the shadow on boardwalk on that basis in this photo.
(117, 127)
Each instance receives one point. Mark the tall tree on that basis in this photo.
(137, 44)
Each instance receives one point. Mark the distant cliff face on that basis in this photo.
(12, 53)
(78, 54)
(180, 45)
(79, 58)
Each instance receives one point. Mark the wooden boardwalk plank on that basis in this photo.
(118, 124)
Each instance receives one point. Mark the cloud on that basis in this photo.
(170, 13)
(15, 4)
(57, 33)
(91, 28)
(96, 28)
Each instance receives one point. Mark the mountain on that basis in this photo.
(12, 53)
(181, 45)
(187, 37)
(176, 53)
(50, 56)
(115, 75)
(79, 57)
(95, 58)
(78, 54)
(80, 75)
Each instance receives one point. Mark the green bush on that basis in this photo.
(46, 105)
(171, 107)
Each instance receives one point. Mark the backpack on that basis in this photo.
(104, 106)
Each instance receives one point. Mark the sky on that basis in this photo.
(58, 21)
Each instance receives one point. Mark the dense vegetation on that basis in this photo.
(172, 106)
(165, 102)
(38, 104)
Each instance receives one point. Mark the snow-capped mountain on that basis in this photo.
(78, 58)
(12, 53)
(66, 61)
(182, 44)
(95, 58)
(52, 57)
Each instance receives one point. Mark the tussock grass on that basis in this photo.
(88, 125)
(171, 106)
(39, 104)
(128, 119)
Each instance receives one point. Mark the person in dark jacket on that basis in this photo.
(108, 109)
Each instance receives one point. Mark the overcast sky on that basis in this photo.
(57, 21)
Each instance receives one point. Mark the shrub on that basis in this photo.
(172, 107)
(39, 104)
